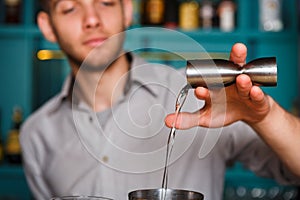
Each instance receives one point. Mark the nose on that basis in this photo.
(92, 19)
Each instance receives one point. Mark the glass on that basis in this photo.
(164, 194)
(80, 198)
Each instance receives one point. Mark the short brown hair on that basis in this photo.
(45, 5)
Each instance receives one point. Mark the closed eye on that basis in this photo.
(108, 3)
(66, 6)
(69, 10)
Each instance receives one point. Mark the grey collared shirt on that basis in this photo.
(70, 150)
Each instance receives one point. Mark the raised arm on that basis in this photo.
(247, 102)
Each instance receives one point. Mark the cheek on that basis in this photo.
(69, 30)
(69, 42)
(68, 34)
(115, 23)
(67, 27)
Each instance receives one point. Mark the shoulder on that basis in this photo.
(157, 72)
(36, 121)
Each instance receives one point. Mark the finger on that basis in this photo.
(238, 54)
(184, 120)
(244, 85)
(202, 93)
(257, 95)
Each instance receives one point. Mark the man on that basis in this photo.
(104, 134)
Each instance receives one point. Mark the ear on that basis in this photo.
(128, 12)
(45, 26)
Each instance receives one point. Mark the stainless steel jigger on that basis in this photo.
(164, 194)
(219, 73)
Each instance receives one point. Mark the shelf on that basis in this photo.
(243, 184)
(250, 33)
(248, 186)
(13, 184)
(10, 169)
(19, 30)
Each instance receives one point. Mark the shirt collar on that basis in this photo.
(140, 73)
(64, 93)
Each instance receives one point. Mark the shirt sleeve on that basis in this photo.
(249, 149)
(32, 170)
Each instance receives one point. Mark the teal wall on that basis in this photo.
(28, 82)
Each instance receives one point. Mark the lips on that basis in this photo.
(94, 42)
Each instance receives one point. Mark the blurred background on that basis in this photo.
(32, 69)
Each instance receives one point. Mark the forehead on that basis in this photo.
(54, 3)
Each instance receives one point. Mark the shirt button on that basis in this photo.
(90, 119)
(105, 159)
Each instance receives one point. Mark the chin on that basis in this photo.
(101, 58)
(100, 61)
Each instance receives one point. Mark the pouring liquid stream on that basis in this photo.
(171, 138)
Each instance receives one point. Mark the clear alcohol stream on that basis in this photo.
(179, 103)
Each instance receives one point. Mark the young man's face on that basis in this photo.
(81, 25)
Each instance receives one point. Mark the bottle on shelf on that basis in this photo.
(13, 148)
(171, 14)
(226, 13)
(1, 147)
(270, 16)
(207, 14)
(1, 150)
(136, 12)
(153, 12)
(189, 15)
(13, 11)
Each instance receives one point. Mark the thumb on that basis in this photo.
(184, 120)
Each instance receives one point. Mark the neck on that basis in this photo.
(101, 89)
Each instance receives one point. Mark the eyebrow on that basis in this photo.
(55, 2)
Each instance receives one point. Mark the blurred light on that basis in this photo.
(50, 54)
